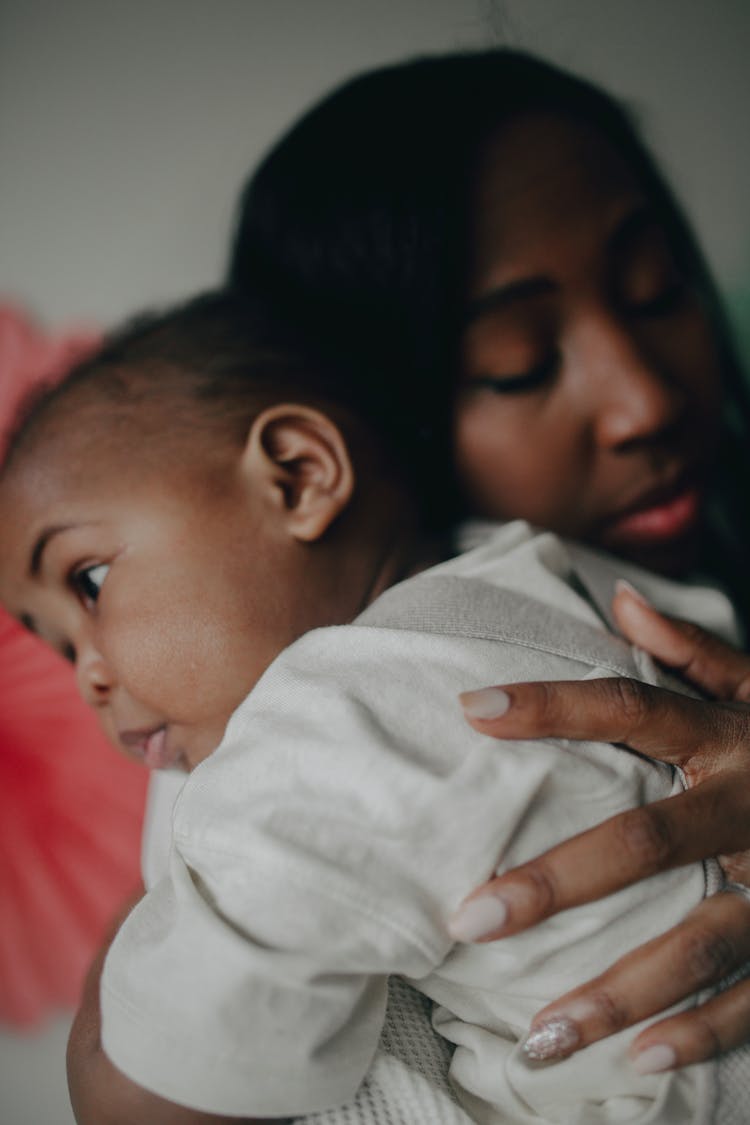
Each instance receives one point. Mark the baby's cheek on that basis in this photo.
(177, 664)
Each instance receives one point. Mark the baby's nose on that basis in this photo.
(94, 680)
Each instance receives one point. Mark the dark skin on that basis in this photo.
(585, 340)
(710, 742)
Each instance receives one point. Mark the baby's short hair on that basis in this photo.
(216, 360)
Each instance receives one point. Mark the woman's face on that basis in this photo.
(590, 397)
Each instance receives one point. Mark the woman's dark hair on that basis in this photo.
(357, 223)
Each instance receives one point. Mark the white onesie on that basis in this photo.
(348, 811)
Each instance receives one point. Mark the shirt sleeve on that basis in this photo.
(200, 1013)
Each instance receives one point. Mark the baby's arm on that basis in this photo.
(100, 1093)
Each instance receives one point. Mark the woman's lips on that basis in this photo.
(660, 522)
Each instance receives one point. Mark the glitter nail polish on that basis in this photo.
(552, 1039)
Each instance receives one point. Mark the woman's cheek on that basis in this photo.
(494, 452)
(478, 453)
(691, 354)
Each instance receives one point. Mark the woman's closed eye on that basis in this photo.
(87, 582)
(667, 301)
(650, 281)
(521, 383)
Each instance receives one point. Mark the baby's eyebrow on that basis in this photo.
(35, 560)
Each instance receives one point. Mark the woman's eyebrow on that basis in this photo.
(503, 295)
(642, 218)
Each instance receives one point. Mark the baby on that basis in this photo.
(199, 513)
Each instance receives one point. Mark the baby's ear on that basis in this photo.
(299, 459)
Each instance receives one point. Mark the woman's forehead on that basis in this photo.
(541, 175)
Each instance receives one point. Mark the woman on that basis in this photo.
(491, 232)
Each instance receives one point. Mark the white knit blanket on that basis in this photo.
(408, 1081)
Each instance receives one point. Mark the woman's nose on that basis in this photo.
(93, 676)
(635, 401)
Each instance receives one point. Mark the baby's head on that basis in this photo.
(185, 505)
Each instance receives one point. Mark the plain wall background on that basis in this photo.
(127, 126)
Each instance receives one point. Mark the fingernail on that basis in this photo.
(487, 703)
(579, 1011)
(623, 586)
(552, 1039)
(477, 917)
(655, 1059)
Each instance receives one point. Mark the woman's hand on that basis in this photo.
(710, 741)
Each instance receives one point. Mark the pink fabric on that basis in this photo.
(29, 356)
(71, 807)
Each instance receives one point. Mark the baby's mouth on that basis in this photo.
(152, 746)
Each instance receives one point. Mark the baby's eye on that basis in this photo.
(88, 581)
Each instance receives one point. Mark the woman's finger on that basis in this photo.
(712, 942)
(656, 722)
(701, 658)
(620, 851)
(702, 1033)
